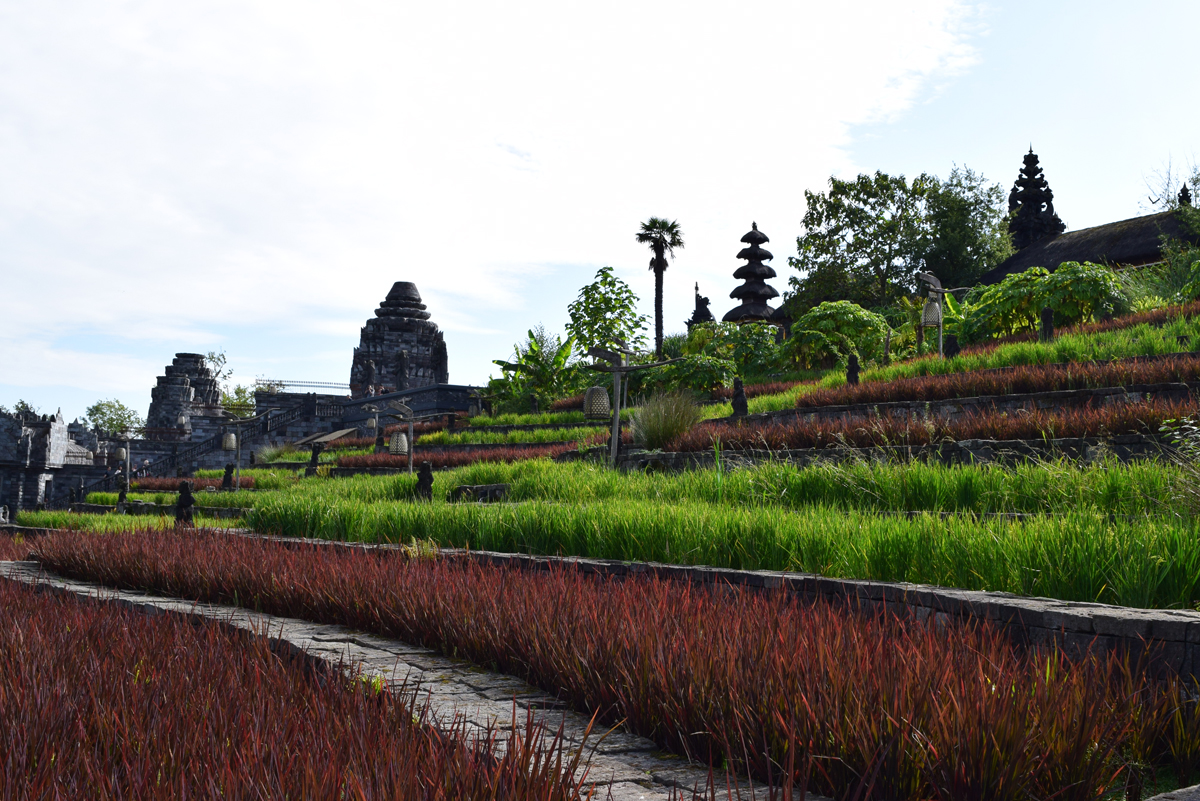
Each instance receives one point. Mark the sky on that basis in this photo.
(252, 177)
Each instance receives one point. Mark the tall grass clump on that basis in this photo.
(99, 701)
(848, 704)
(112, 523)
(663, 417)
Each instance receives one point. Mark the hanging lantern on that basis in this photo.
(399, 444)
(596, 405)
(473, 410)
(229, 442)
(931, 314)
(181, 421)
(121, 454)
(371, 422)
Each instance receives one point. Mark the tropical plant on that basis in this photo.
(1081, 293)
(842, 322)
(606, 310)
(1010, 307)
(543, 367)
(663, 237)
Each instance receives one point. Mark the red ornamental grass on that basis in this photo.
(867, 432)
(444, 458)
(847, 702)
(1017, 380)
(13, 548)
(101, 702)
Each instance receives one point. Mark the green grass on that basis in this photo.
(112, 524)
(1081, 556)
(511, 437)
(546, 419)
(1140, 488)
(237, 498)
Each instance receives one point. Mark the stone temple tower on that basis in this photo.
(188, 388)
(405, 345)
(754, 291)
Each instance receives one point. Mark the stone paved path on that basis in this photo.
(628, 766)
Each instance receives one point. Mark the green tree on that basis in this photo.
(239, 401)
(862, 242)
(663, 237)
(23, 409)
(114, 417)
(967, 228)
(606, 309)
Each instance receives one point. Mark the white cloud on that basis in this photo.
(175, 169)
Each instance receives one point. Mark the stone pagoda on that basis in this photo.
(186, 388)
(1031, 204)
(754, 291)
(400, 347)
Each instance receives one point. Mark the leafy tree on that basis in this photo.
(967, 228)
(606, 309)
(862, 242)
(239, 401)
(865, 239)
(1083, 292)
(663, 237)
(215, 359)
(23, 408)
(114, 417)
(749, 347)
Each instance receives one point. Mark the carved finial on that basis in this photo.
(754, 226)
(1185, 196)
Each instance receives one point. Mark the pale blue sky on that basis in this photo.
(254, 176)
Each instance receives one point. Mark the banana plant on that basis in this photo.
(543, 367)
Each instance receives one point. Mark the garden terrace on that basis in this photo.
(171, 709)
(880, 707)
(910, 428)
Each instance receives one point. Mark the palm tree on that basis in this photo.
(662, 237)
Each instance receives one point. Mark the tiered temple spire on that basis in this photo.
(1032, 205)
(755, 291)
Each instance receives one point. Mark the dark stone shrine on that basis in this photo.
(1032, 205)
(400, 338)
(755, 291)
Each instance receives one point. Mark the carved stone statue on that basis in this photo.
(852, 370)
(1185, 196)
(317, 447)
(183, 506)
(740, 408)
(1047, 333)
(425, 482)
(122, 487)
(380, 446)
(369, 378)
(227, 479)
(402, 371)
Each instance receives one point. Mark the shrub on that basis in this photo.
(663, 417)
(1083, 292)
(843, 324)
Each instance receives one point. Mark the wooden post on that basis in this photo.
(410, 444)
(616, 427)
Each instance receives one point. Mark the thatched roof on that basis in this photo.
(1126, 243)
